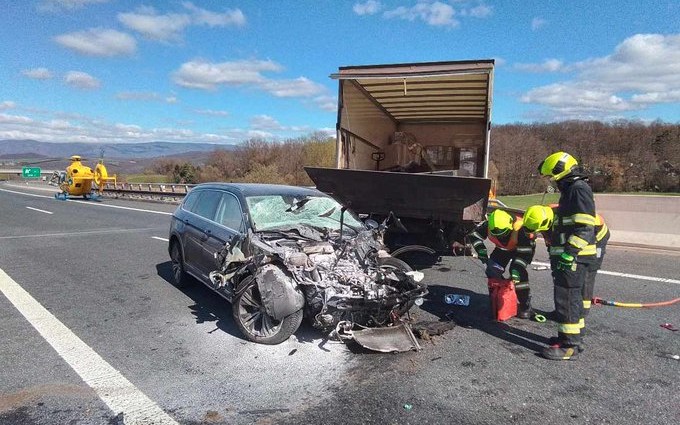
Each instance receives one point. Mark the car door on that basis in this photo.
(198, 227)
(226, 225)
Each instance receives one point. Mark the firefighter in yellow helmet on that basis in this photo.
(573, 251)
(513, 246)
(539, 219)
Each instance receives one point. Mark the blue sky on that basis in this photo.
(224, 71)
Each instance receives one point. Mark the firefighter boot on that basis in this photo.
(560, 351)
(553, 340)
(524, 310)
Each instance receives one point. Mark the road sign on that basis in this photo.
(30, 172)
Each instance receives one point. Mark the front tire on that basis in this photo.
(253, 321)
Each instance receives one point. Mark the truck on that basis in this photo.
(413, 144)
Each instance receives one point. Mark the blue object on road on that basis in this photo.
(456, 299)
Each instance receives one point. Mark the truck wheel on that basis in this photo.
(179, 276)
(394, 263)
(254, 322)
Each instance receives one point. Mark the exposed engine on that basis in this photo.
(348, 280)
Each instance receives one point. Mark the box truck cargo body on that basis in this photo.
(413, 139)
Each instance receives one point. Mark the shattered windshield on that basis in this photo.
(276, 211)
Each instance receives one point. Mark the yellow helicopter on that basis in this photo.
(78, 180)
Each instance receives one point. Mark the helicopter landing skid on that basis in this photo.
(64, 196)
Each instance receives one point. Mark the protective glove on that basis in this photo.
(566, 262)
(514, 275)
(482, 255)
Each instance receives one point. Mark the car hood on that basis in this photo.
(408, 195)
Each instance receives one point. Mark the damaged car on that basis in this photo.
(280, 253)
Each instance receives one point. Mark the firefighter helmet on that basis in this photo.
(500, 222)
(538, 218)
(557, 165)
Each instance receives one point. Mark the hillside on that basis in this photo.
(135, 151)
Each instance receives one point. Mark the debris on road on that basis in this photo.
(456, 299)
(391, 339)
(426, 330)
(669, 326)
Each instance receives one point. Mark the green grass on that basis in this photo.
(147, 178)
(524, 201)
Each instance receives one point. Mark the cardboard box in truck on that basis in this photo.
(413, 139)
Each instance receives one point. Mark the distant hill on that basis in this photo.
(132, 151)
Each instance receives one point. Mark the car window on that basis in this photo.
(229, 212)
(190, 200)
(206, 204)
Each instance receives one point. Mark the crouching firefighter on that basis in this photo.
(512, 245)
(572, 252)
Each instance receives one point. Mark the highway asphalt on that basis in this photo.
(101, 269)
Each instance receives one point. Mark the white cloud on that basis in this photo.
(265, 122)
(58, 5)
(7, 104)
(204, 75)
(643, 70)
(145, 97)
(205, 17)
(199, 74)
(211, 112)
(170, 27)
(81, 80)
(155, 27)
(326, 103)
(480, 11)
(549, 65)
(369, 7)
(300, 87)
(37, 73)
(538, 23)
(98, 42)
(435, 14)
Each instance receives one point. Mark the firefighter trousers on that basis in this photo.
(568, 292)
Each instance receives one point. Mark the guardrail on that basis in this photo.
(166, 192)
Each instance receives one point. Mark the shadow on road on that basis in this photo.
(478, 316)
(211, 307)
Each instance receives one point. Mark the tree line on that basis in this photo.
(620, 156)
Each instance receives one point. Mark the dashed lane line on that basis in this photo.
(628, 275)
(160, 239)
(39, 210)
(119, 394)
(90, 203)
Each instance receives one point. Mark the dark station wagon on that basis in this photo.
(280, 253)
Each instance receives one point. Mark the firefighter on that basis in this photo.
(539, 219)
(513, 245)
(573, 251)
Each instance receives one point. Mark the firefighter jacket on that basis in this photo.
(601, 235)
(573, 229)
(518, 242)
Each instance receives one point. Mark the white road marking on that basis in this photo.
(86, 232)
(160, 239)
(113, 388)
(39, 210)
(629, 275)
(92, 204)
